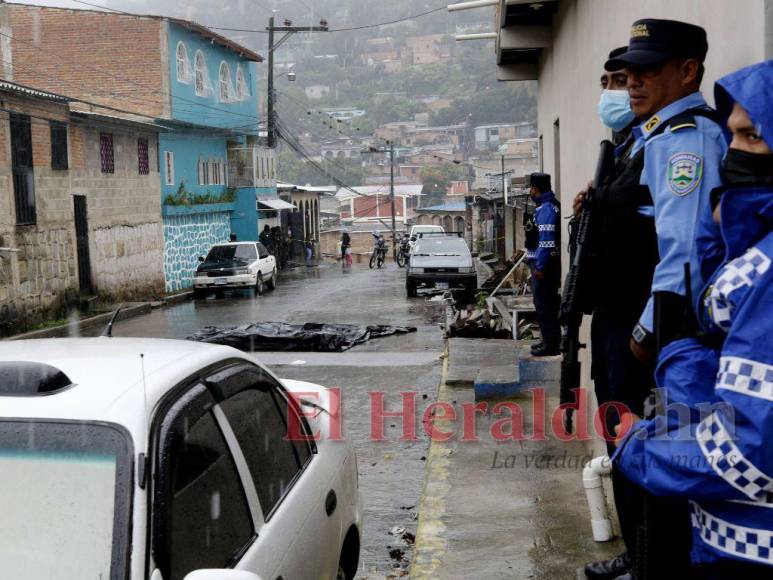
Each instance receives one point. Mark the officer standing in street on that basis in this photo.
(725, 466)
(546, 266)
(683, 147)
(624, 254)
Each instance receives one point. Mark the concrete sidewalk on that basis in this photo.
(512, 509)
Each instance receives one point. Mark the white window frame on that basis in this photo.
(200, 65)
(169, 167)
(224, 84)
(183, 65)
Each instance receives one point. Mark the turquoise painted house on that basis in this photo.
(196, 84)
(212, 153)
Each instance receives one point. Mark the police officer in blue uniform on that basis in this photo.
(546, 265)
(683, 146)
(623, 258)
(718, 454)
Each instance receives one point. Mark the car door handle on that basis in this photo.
(331, 501)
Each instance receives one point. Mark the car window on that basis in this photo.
(230, 252)
(209, 521)
(258, 418)
(441, 246)
(262, 251)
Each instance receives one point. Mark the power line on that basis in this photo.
(349, 29)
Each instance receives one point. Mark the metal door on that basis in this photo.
(22, 169)
(82, 243)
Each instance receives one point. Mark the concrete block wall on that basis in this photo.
(40, 277)
(186, 237)
(124, 210)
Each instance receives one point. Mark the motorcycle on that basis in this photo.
(404, 252)
(379, 253)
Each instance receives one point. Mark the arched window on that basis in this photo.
(242, 90)
(459, 224)
(201, 74)
(225, 82)
(448, 225)
(182, 63)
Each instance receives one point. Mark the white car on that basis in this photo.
(235, 265)
(167, 460)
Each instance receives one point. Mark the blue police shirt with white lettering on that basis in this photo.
(681, 167)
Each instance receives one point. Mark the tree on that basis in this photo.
(436, 181)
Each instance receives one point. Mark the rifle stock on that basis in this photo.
(573, 300)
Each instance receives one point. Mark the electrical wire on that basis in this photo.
(349, 29)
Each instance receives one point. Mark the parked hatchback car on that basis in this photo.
(163, 459)
(441, 261)
(235, 265)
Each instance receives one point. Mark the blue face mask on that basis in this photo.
(615, 109)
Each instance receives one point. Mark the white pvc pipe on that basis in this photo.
(597, 503)
(473, 4)
(476, 36)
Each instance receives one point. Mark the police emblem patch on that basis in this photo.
(685, 171)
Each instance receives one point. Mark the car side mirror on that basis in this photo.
(413, 238)
(221, 575)
(201, 258)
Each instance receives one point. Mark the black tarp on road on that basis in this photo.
(278, 336)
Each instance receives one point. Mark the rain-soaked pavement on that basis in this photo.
(391, 471)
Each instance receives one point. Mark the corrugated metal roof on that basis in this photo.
(30, 92)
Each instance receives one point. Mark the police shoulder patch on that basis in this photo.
(685, 172)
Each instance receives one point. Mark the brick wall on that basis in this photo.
(110, 59)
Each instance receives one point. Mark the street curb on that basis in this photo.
(75, 328)
(429, 529)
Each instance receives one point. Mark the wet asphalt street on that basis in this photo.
(391, 471)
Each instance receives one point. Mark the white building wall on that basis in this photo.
(584, 31)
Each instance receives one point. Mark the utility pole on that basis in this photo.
(504, 190)
(270, 101)
(392, 197)
(289, 30)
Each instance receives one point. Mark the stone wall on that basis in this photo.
(129, 259)
(188, 235)
(38, 275)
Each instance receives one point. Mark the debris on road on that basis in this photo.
(279, 336)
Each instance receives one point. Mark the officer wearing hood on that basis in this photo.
(718, 455)
(546, 265)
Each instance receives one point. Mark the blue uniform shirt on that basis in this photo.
(547, 220)
(681, 167)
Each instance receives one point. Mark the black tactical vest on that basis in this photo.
(624, 242)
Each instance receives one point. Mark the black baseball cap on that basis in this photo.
(656, 41)
(541, 181)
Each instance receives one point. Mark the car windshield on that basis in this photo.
(441, 247)
(65, 499)
(426, 229)
(228, 253)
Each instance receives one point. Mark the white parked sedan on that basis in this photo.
(235, 265)
(167, 460)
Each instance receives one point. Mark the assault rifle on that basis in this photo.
(574, 300)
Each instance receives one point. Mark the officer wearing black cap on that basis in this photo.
(623, 257)
(682, 147)
(546, 265)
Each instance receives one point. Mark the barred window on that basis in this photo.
(201, 74)
(143, 164)
(182, 63)
(58, 145)
(225, 82)
(169, 166)
(242, 90)
(106, 153)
